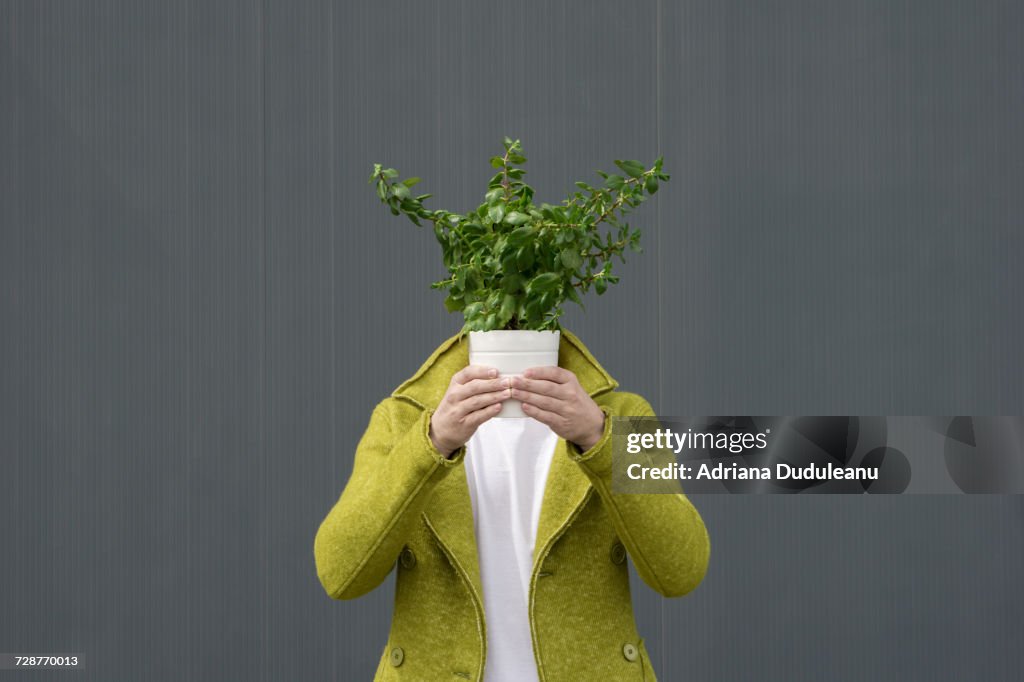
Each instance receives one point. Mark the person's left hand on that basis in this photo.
(553, 396)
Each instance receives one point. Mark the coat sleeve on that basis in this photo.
(395, 471)
(663, 533)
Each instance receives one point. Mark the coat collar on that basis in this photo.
(449, 513)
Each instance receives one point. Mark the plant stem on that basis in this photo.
(504, 173)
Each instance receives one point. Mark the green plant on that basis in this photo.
(513, 264)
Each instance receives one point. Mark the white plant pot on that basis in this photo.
(511, 351)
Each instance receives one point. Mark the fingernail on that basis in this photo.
(494, 372)
(527, 374)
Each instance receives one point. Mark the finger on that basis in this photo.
(460, 392)
(556, 405)
(475, 386)
(559, 375)
(475, 419)
(553, 420)
(541, 386)
(470, 372)
(480, 400)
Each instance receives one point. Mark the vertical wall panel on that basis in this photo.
(842, 242)
(132, 319)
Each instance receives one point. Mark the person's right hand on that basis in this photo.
(474, 395)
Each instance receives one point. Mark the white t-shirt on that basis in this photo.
(507, 462)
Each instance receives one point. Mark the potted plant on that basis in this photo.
(512, 264)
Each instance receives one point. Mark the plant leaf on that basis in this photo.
(512, 283)
(524, 258)
(614, 181)
(454, 304)
(543, 283)
(494, 195)
(632, 168)
(516, 218)
(508, 308)
(571, 258)
(574, 296)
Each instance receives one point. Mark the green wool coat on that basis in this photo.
(406, 507)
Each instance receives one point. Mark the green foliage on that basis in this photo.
(513, 264)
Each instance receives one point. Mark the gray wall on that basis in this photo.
(201, 299)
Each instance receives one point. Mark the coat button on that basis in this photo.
(407, 558)
(630, 652)
(618, 553)
(397, 656)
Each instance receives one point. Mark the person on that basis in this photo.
(509, 544)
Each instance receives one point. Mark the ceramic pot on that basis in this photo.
(511, 351)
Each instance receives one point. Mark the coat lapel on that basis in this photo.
(450, 513)
(566, 489)
(567, 486)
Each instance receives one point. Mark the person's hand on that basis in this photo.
(474, 395)
(553, 395)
